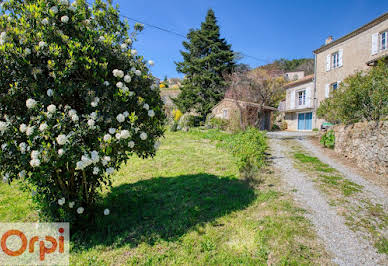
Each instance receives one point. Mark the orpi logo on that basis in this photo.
(34, 244)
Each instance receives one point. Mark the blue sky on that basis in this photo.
(267, 30)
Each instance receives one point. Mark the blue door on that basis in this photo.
(305, 121)
(301, 122)
(308, 117)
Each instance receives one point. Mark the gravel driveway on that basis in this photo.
(346, 247)
(374, 193)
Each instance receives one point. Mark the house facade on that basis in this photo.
(358, 50)
(299, 104)
(334, 61)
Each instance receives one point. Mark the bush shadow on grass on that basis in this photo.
(163, 208)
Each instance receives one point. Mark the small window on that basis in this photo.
(301, 97)
(335, 60)
(225, 113)
(383, 40)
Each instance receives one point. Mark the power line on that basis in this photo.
(183, 36)
(156, 27)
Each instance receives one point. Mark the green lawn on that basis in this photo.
(187, 206)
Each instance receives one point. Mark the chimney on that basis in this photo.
(329, 39)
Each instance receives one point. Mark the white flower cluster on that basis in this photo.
(51, 108)
(120, 118)
(65, 19)
(31, 103)
(42, 44)
(123, 134)
(43, 127)
(87, 160)
(3, 37)
(27, 51)
(3, 126)
(73, 115)
(35, 162)
(61, 201)
(54, 9)
(45, 21)
(62, 139)
(118, 73)
(105, 160)
(143, 136)
(95, 102)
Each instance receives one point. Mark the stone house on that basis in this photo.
(260, 117)
(298, 106)
(338, 59)
(334, 61)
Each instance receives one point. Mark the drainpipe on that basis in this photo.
(315, 102)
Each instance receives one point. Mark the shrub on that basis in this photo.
(216, 123)
(283, 125)
(193, 121)
(248, 147)
(76, 101)
(315, 129)
(328, 139)
(362, 96)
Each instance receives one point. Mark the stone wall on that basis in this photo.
(365, 142)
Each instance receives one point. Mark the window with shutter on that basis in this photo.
(301, 97)
(308, 96)
(383, 40)
(292, 100)
(340, 56)
(328, 62)
(375, 43)
(335, 60)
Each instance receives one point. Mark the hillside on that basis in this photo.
(285, 65)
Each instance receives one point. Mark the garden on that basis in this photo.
(188, 203)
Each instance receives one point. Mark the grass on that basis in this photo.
(359, 212)
(336, 182)
(314, 162)
(187, 206)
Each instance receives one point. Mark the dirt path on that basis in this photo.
(346, 247)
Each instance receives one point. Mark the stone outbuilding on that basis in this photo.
(256, 115)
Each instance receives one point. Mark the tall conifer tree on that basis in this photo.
(207, 57)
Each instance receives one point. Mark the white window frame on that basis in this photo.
(302, 99)
(383, 37)
(334, 60)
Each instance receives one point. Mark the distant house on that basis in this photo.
(260, 117)
(167, 96)
(294, 75)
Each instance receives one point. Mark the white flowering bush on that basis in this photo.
(76, 101)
